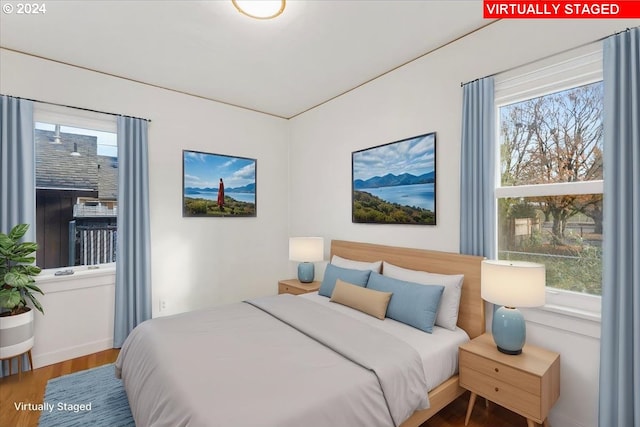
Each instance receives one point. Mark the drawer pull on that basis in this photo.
(497, 389)
(497, 370)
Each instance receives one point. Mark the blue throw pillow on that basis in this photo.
(333, 273)
(411, 303)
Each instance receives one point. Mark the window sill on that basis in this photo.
(572, 312)
(82, 278)
(573, 320)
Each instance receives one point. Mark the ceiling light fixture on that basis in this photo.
(260, 9)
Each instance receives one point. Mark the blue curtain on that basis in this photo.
(133, 259)
(477, 170)
(620, 337)
(17, 175)
(17, 165)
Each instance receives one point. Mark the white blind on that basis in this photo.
(576, 67)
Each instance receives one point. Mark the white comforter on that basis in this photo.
(299, 364)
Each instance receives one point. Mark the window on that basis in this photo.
(76, 187)
(549, 190)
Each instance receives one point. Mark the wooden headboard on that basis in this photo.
(471, 316)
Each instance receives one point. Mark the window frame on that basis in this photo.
(84, 119)
(567, 70)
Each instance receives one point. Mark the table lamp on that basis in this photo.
(306, 250)
(512, 284)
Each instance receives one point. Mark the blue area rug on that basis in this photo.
(94, 397)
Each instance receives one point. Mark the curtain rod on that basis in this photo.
(548, 56)
(80, 108)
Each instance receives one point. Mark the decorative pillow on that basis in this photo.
(449, 305)
(374, 303)
(411, 303)
(356, 265)
(332, 273)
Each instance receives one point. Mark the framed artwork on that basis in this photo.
(395, 183)
(218, 185)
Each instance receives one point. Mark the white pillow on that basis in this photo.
(449, 304)
(356, 265)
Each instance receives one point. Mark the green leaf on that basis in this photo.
(10, 298)
(5, 241)
(35, 303)
(32, 270)
(26, 247)
(19, 269)
(35, 288)
(23, 259)
(18, 231)
(16, 279)
(26, 269)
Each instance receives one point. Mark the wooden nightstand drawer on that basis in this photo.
(504, 394)
(286, 289)
(295, 287)
(525, 381)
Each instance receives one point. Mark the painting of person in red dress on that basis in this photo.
(221, 195)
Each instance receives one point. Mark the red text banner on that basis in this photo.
(543, 9)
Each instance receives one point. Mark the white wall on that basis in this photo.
(196, 262)
(425, 96)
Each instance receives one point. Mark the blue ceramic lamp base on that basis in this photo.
(306, 272)
(509, 330)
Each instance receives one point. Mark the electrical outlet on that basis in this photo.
(163, 305)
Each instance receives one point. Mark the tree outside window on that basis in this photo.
(550, 154)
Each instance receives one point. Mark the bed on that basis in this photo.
(287, 361)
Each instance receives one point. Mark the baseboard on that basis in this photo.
(49, 358)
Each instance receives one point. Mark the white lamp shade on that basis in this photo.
(513, 283)
(306, 249)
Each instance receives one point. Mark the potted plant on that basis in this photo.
(17, 274)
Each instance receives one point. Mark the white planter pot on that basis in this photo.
(16, 334)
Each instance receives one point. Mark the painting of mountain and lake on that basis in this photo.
(395, 183)
(218, 185)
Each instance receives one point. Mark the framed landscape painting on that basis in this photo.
(395, 183)
(217, 185)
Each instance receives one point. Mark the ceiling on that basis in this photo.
(315, 51)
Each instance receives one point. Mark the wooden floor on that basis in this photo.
(29, 387)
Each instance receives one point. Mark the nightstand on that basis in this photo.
(296, 287)
(527, 384)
